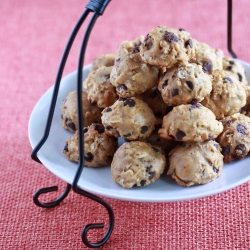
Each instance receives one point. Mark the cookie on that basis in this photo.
(129, 118)
(166, 47)
(190, 123)
(107, 60)
(100, 91)
(228, 95)
(154, 100)
(91, 113)
(235, 138)
(99, 147)
(137, 164)
(235, 68)
(132, 77)
(209, 58)
(183, 84)
(195, 163)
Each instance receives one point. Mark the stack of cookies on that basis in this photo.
(179, 105)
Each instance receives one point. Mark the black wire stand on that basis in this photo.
(97, 7)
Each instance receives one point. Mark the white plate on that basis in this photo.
(99, 180)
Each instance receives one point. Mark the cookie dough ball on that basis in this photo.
(107, 60)
(195, 163)
(228, 95)
(100, 91)
(167, 46)
(129, 118)
(235, 138)
(91, 113)
(191, 123)
(209, 58)
(131, 77)
(154, 100)
(184, 83)
(99, 147)
(137, 164)
(235, 68)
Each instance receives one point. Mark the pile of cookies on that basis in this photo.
(181, 107)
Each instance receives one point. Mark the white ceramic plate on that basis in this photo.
(99, 180)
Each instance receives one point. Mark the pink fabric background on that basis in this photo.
(33, 35)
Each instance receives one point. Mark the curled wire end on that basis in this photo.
(48, 190)
(95, 226)
(97, 6)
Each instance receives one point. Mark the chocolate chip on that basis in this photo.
(107, 76)
(170, 37)
(151, 175)
(195, 106)
(229, 68)
(143, 182)
(108, 127)
(165, 84)
(71, 125)
(164, 74)
(99, 128)
(241, 129)
(127, 135)
(118, 60)
(194, 101)
(148, 168)
(231, 62)
(207, 66)
(240, 77)
(85, 130)
(225, 150)
(180, 29)
(92, 103)
(216, 170)
(108, 109)
(136, 49)
(147, 42)
(189, 43)
(179, 135)
(121, 87)
(190, 85)
(66, 148)
(129, 102)
(89, 157)
(175, 92)
(135, 185)
(228, 79)
(241, 148)
(144, 129)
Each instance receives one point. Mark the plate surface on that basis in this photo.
(99, 181)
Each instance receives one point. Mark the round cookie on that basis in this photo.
(100, 90)
(191, 123)
(195, 163)
(228, 95)
(132, 77)
(235, 68)
(107, 60)
(235, 138)
(166, 47)
(69, 112)
(209, 58)
(154, 100)
(184, 83)
(137, 164)
(129, 118)
(99, 147)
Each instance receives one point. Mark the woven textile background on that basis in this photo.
(33, 35)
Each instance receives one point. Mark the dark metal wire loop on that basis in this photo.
(81, 150)
(48, 190)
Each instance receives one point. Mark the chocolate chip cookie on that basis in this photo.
(235, 138)
(137, 164)
(107, 60)
(195, 163)
(99, 147)
(191, 123)
(91, 113)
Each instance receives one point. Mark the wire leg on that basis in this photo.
(48, 190)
